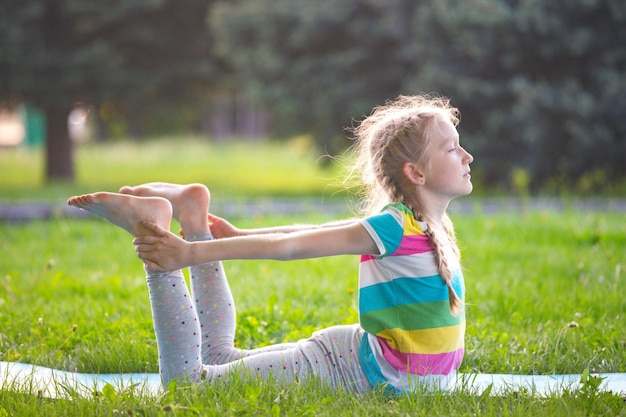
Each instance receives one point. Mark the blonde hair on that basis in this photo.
(394, 134)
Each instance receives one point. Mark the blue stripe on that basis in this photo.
(372, 371)
(407, 291)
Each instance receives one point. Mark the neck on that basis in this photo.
(433, 212)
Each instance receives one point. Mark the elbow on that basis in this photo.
(284, 250)
(292, 246)
(286, 254)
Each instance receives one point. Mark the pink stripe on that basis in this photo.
(413, 244)
(409, 245)
(421, 363)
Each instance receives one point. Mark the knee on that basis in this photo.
(221, 354)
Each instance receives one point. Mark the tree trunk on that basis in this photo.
(59, 152)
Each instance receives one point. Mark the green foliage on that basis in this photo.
(315, 65)
(537, 83)
(540, 85)
(58, 51)
(56, 54)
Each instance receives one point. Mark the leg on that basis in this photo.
(176, 326)
(214, 302)
(216, 312)
(190, 203)
(330, 356)
(175, 321)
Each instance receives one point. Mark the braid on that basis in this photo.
(448, 227)
(456, 304)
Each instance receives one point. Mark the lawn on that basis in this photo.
(233, 169)
(544, 292)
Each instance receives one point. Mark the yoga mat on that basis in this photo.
(54, 383)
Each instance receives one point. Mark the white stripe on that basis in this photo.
(375, 271)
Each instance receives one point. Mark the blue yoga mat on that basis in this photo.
(55, 383)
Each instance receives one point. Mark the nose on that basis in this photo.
(469, 157)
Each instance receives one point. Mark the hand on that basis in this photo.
(221, 228)
(163, 251)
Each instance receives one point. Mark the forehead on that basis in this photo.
(445, 129)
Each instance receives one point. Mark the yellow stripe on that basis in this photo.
(433, 341)
(411, 227)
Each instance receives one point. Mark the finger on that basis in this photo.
(145, 240)
(143, 249)
(149, 259)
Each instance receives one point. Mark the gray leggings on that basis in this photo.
(195, 337)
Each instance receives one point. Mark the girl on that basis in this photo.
(412, 321)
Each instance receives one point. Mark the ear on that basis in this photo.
(413, 173)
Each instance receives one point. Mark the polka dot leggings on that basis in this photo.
(195, 337)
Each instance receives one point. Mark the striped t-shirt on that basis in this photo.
(411, 337)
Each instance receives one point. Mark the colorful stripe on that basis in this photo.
(410, 317)
(402, 291)
(372, 369)
(438, 340)
(392, 236)
(404, 304)
(413, 244)
(422, 364)
(409, 245)
(373, 271)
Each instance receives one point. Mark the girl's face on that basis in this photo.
(447, 173)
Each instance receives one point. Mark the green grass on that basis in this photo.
(529, 276)
(545, 294)
(233, 169)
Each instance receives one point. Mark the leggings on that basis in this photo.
(195, 337)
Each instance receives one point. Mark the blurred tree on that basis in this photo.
(314, 65)
(57, 53)
(542, 85)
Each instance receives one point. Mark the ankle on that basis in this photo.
(198, 236)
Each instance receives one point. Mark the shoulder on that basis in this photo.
(404, 216)
(390, 216)
(388, 227)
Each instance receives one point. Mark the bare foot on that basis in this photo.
(190, 203)
(126, 211)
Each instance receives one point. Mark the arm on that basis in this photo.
(221, 228)
(165, 251)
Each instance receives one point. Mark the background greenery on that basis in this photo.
(540, 84)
